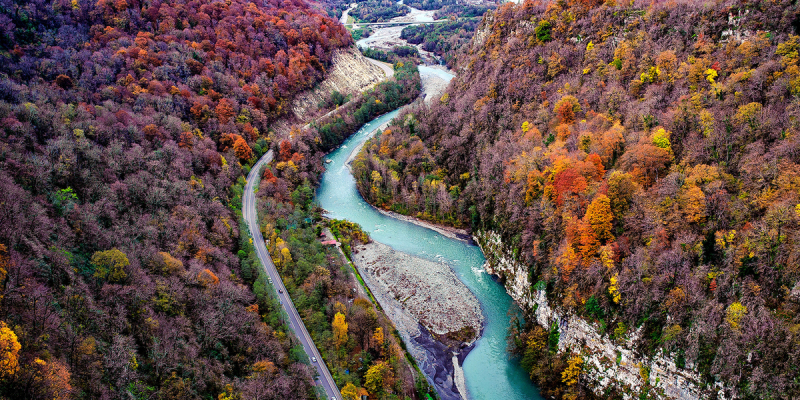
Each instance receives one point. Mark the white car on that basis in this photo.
(313, 359)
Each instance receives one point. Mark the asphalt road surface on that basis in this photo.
(295, 323)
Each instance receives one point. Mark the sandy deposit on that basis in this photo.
(433, 84)
(428, 290)
(402, 283)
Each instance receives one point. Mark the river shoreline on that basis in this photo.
(444, 230)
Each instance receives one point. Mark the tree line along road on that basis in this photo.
(295, 323)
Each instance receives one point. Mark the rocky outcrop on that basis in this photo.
(350, 74)
(608, 363)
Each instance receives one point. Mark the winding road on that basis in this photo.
(295, 323)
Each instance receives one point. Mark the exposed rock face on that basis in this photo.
(609, 364)
(351, 73)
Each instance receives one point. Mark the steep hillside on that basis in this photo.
(125, 131)
(352, 73)
(640, 162)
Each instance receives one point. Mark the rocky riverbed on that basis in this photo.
(430, 291)
(437, 316)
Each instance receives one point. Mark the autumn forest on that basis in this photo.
(640, 160)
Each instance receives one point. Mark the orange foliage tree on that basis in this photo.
(51, 379)
(242, 150)
(207, 278)
(224, 111)
(599, 217)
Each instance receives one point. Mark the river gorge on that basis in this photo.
(486, 369)
(489, 372)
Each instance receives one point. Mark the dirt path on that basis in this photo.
(343, 20)
(387, 68)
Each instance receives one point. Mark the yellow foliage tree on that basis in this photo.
(607, 256)
(661, 139)
(352, 392)
(378, 336)
(228, 394)
(735, 313)
(711, 74)
(110, 265)
(621, 187)
(339, 329)
(613, 289)
(9, 351)
(572, 373)
(749, 115)
(377, 377)
(286, 256)
(164, 263)
(537, 342)
(349, 392)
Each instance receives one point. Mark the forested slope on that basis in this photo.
(643, 160)
(125, 130)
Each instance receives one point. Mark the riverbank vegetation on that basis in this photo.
(404, 54)
(641, 160)
(361, 33)
(454, 11)
(353, 337)
(430, 4)
(126, 129)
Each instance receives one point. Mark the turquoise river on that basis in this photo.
(489, 371)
